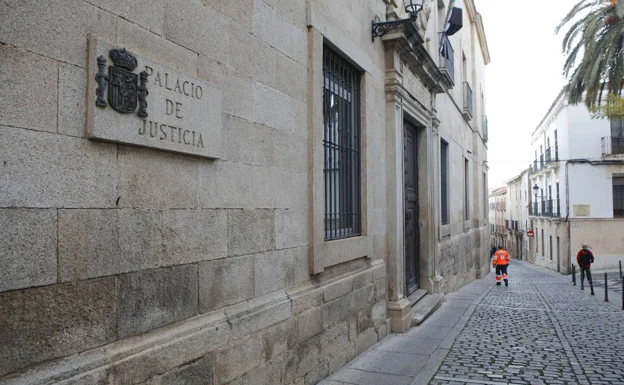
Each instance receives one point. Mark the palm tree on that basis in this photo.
(596, 37)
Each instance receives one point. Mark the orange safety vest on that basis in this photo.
(501, 257)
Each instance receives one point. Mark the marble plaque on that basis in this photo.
(137, 101)
(580, 210)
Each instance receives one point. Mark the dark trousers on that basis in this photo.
(502, 270)
(585, 270)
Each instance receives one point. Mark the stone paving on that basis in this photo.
(539, 330)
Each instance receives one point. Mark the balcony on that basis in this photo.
(447, 58)
(612, 145)
(549, 208)
(467, 108)
(551, 156)
(485, 128)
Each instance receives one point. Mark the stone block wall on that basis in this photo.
(463, 258)
(129, 265)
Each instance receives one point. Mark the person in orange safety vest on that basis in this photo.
(500, 261)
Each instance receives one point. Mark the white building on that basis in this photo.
(498, 230)
(577, 187)
(516, 215)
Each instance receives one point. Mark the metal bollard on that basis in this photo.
(622, 293)
(620, 269)
(574, 275)
(606, 289)
(591, 286)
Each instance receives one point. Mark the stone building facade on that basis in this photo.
(164, 178)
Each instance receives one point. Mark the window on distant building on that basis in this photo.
(618, 196)
(341, 143)
(617, 136)
(444, 182)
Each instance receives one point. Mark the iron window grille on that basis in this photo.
(447, 57)
(618, 197)
(341, 145)
(617, 136)
(467, 100)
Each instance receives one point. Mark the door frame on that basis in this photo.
(415, 220)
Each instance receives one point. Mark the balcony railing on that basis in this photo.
(467, 110)
(612, 145)
(485, 128)
(447, 58)
(556, 154)
(549, 208)
(545, 208)
(551, 155)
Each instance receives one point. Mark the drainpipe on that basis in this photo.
(567, 192)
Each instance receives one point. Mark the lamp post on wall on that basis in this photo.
(535, 190)
(380, 28)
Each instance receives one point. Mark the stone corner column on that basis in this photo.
(400, 315)
(434, 284)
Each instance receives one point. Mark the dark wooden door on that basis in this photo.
(411, 208)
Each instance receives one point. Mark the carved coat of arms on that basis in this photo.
(126, 89)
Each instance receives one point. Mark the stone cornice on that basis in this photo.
(406, 40)
(475, 18)
(485, 50)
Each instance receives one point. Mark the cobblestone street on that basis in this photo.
(540, 330)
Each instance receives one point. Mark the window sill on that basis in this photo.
(334, 252)
(445, 231)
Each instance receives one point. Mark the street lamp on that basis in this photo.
(535, 189)
(380, 28)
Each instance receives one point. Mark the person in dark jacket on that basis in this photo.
(585, 258)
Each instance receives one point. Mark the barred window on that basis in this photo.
(341, 144)
(618, 197)
(617, 128)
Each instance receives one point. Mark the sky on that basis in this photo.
(523, 78)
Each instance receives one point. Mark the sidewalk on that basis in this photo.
(544, 312)
(415, 356)
(614, 285)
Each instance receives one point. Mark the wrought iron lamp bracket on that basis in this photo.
(380, 28)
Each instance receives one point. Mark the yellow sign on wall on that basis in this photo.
(580, 210)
